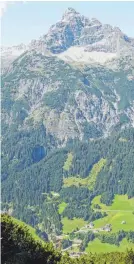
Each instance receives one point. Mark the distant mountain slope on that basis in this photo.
(67, 122)
(75, 30)
(69, 101)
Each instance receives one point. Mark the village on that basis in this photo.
(77, 242)
(90, 226)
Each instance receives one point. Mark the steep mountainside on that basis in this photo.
(70, 102)
(79, 77)
(67, 122)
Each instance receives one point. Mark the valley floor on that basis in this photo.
(120, 215)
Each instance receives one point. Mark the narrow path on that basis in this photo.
(66, 248)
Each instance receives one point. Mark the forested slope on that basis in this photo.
(27, 190)
(19, 246)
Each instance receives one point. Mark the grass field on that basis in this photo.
(97, 246)
(94, 172)
(68, 162)
(121, 210)
(70, 225)
(74, 180)
(121, 202)
(115, 219)
(62, 206)
(88, 181)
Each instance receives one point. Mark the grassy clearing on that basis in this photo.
(121, 210)
(74, 180)
(62, 207)
(88, 181)
(121, 202)
(94, 172)
(70, 225)
(115, 219)
(97, 247)
(68, 162)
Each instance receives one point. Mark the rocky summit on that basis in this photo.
(77, 80)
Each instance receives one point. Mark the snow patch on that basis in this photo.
(79, 54)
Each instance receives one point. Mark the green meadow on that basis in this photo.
(62, 207)
(68, 162)
(71, 224)
(88, 181)
(120, 202)
(115, 219)
(74, 180)
(122, 209)
(97, 246)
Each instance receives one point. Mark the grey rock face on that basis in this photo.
(72, 100)
(75, 30)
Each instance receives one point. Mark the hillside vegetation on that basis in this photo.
(88, 181)
(20, 247)
(63, 185)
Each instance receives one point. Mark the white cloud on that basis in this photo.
(3, 6)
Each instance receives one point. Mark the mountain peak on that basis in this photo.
(70, 12)
(71, 9)
(76, 30)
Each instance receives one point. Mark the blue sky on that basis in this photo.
(24, 21)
